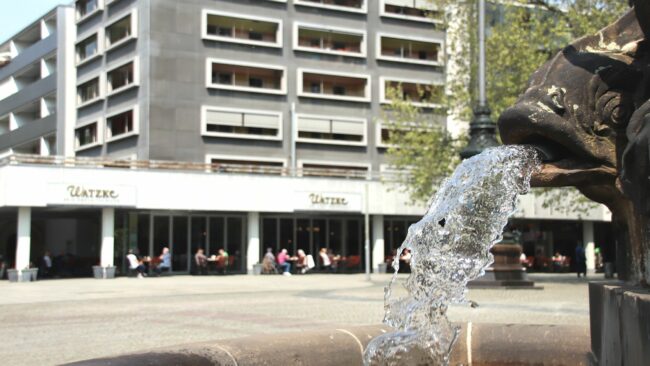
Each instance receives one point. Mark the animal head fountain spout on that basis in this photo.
(587, 111)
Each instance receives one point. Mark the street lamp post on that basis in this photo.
(482, 130)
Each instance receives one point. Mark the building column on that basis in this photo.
(378, 245)
(253, 249)
(108, 237)
(24, 237)
(589, 245)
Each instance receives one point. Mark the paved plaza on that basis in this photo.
(55, 321)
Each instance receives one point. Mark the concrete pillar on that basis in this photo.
(253, 249)
(24, 237)
(589, 245)
(108, 237)
(377, 241)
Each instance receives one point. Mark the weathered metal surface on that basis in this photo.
(589, 105)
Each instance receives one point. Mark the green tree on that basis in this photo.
(522, 36)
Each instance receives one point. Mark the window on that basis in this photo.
(238, 28)
(246, 165)
(355, 6)
(86, 136)
(416, 10)
(88, 92)
(121, 77)
(334, 170)
(88, 48)
(242, 76)
(421, 93)
(121, 30)
(121, 125)
(329, 40)
(331, 130)
(411, 50)
(238, 123)
(85, 8)
(329, 85)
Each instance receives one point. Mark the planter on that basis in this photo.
(26, 275)
(104, 272)
(257, 269)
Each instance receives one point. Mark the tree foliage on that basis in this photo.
(523, 35)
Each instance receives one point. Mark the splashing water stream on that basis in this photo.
(450, 246)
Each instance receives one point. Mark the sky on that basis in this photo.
(17, 14)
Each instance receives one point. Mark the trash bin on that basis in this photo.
(257, 269)
(382, 268)
(26, 275)
(103, 272)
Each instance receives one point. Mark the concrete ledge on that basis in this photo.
(478, 344)
(620, 323)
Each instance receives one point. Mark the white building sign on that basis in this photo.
(327, 201)
(91, 194)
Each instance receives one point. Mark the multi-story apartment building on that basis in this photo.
(212, 124)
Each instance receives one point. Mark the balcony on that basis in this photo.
(89, 92)
(87, 136)
(246, 165)
(331, 130)
(337, 86)
(121, 31)
(415, 10)
(248, 77)
(122, 77)
(355, 6)
(420, 93)
(241, 123)
(235, 28)
(329, 40)
(325, 170)
(87, 49)
(84, 9)
(409, 50)
(122, 124)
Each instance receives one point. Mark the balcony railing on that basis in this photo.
(13, 159)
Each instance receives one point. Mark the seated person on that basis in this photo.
(283, 262)
(135, 264)
(325, 261)
(222, 261)
(301, 261)
(165, 261)
(268, 262)
(201, 262)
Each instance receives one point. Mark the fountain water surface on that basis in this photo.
(450, 246)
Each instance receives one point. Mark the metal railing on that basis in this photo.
(185, 166)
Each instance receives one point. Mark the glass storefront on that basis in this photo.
(342, 235)
(148, 233)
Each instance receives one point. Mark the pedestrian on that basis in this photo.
(201, 262)
(581, 260)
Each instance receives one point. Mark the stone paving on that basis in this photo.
(56, 321)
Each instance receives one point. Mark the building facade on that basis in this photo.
(214, 124)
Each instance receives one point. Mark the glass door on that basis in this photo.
(179, 245)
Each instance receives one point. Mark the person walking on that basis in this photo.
(581, 260)
(201, 262)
